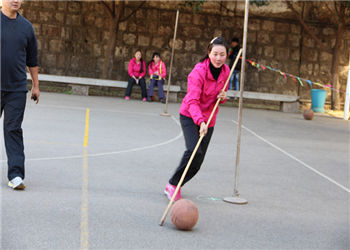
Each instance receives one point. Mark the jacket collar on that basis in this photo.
(209, 75)
(207, 68)
(134, 60)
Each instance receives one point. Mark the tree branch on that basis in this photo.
(307, 29)
(342, 12)
(336, 9)
(108, 9)
(132, 12)
(119, 10)
(329, 9)
(227, 9)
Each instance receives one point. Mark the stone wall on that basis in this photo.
(73, 36)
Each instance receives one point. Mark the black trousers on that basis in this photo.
(13, 105)
(191, 134)
(142, 84)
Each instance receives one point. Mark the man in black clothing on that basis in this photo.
(18, 50)
(233, 52)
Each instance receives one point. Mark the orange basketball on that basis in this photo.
(184, 214)
(308, 114)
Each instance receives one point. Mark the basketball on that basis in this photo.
(184, 214)
(308, 114)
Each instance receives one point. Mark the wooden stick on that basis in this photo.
(197, 146)
(241, 89)
(171, 64)
(347, 96)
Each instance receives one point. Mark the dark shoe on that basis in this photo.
(163, 100)
(149, 99)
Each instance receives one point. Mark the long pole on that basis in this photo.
(347, 96)
(241, 95)
(165, 113)
(197, 146)
(236, 199)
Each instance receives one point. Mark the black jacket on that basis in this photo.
(233, 52)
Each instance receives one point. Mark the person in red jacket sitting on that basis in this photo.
(137, 72)
(157, 74)
(204, 86)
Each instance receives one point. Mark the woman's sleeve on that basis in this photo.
(194, 91)
(163, 70)
(130, 69)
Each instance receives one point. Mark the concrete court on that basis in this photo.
(113, 197)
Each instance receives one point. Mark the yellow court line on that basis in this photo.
(84, 213)
(86, 135)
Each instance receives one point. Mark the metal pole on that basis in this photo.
(236, 199)
(347, 96)
(165, 113)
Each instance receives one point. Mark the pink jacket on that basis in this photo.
(202, 92)
(134, 68)
(152, 69)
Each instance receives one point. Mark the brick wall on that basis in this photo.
(73, 36)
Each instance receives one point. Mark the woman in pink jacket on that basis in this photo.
(204, 87)
(137, 72)
(157, 74)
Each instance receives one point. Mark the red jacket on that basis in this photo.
(134, 68)
(202, 92)
(160, 68)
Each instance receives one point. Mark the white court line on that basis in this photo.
(56, 106)
(113, 152)
(106, 153)
(97, 109)
(294, 158)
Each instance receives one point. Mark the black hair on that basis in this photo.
(235, 39)
(216, 41)
(154, 54)
(141, 60)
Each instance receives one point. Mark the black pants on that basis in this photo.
(191, 134)
(142, 84)
(13, 104)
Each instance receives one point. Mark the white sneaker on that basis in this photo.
(16, 183)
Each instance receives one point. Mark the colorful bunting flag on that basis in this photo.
(283, 74)
(295, 78)
(301, 83)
